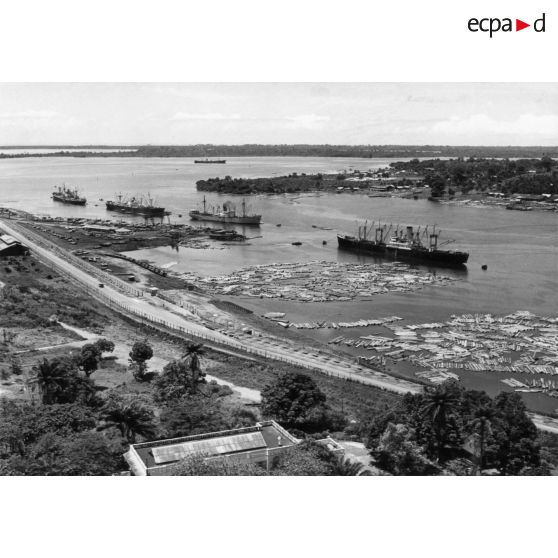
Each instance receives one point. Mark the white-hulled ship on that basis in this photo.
(227, 215)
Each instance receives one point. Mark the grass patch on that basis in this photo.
(352, 398)
(33, 293)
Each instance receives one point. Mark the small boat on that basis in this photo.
(296, 243)
(229, 235)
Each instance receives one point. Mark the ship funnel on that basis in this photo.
(379, 234)
(433, 241)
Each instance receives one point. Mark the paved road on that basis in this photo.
(171, 316)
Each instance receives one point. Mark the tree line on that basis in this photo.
(77, 427)
(297, 150)
(521, 176)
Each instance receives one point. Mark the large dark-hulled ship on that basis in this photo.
(403, 244)
(68, 195)
(226, 215)
(210, 161)
(135, 205)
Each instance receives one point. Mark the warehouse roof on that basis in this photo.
(262, 436)
(7, 239)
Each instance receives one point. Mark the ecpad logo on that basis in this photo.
(492, 25)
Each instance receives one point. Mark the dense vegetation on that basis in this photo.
(448, 429)
(74, 427)
(275, 185)
(297, 402)
(525, 176)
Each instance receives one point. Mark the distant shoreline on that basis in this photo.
(255, 150)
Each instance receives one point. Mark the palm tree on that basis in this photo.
(438, 406)
(344, 467)
(482, 426)
(51, 378)
(193, 352)
(131, 418)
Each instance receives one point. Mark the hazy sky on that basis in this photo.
(342, 113)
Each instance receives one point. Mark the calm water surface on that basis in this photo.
(520, 248)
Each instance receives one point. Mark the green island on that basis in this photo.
(433, 178)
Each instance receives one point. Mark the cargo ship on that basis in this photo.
(227, 215)
(135, 205)
(403, 244)
(210, 161)
(67, 195)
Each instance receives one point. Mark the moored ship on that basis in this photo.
(136, 205)
(227, 215)
(68, 195)
(210, 161)
(220, 234)
(403, 244)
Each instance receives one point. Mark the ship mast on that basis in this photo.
(434, 238)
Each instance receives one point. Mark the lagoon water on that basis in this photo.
(520, 248)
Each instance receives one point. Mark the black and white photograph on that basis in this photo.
(289, 279)
(249, 249)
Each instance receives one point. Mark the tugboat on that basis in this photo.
(404, 244)
(67, 195)
(226, 215)
(222, 234)
(135, 205)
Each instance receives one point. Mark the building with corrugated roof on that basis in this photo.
(9, 246)
(258, 444)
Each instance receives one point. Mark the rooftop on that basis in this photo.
(8, 240)
(263, 436)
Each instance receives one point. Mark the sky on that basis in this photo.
(279, 113)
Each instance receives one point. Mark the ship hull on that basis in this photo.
(232, 219)
(216, 162)
(149, 211)
(442, 258)
(79, 201)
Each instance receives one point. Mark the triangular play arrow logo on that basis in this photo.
(519, 25)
